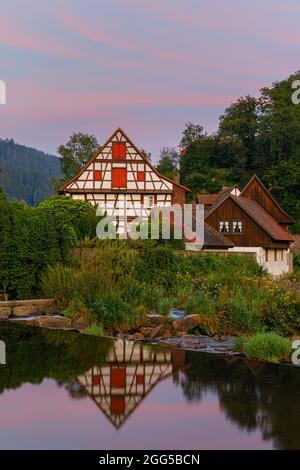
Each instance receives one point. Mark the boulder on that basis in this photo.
(155, 320)
(5, 311)
(188, 345)
(54, 322)
(169, 344)
(146, 331)
(3, 316)
(33, 322)
(25, 311)
(80, 324)
(156, 331)
(138, 336)
(187, 322)
(166, 334)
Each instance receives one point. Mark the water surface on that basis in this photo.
(61, 390)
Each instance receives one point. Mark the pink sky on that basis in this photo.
(146, 66)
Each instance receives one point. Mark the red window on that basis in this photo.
(97, 175)
(140, 379)
(141, 176)
(96, 380)
(118, 150)
(119, 177)
(117, 405)
(118, 378)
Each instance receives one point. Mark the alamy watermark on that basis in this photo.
(296, 353)
(2, 352)
(2, 92)
(140, 222)
(296, 94)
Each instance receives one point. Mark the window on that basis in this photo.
(224, 226)
(117, 405)
(118, 378)
(237, 226)
(141, 176)
(140, 379)
(275, 254)
(96, 380)
(97, 175)
(282, 255)
(118, 150)
(119, 177)
(267, 255)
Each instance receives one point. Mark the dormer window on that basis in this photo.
(237, 226)
(224, 226)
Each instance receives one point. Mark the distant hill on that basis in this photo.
(25, 173)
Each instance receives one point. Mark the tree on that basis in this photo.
(146, 154)
(76, 153)
(192, 133)
(66, 212)
(240, 125)
(169, 160)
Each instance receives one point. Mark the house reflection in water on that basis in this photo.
(130, 372)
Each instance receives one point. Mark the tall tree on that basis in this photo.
(191, 134)
(240, 124)
(168, 164)
(77, 152)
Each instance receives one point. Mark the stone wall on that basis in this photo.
(26, 308)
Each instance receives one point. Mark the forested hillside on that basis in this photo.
(26, 173)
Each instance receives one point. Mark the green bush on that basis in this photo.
(165, 305)
(64, 211)
(109, 310)
(232, 296)
(266, 347)
(28, 244)
(94, 330)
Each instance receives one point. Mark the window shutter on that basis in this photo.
(118, 150)
(119, 177)
(97, 175)
(141, 176)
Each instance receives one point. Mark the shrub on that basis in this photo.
(63, 210)
(266, 347)
(159, 266)
(109, 310)
(59, 283)
(165, 305)
(94, 330)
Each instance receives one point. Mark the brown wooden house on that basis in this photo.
(255, 223)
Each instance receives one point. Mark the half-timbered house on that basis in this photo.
(130, 372)
(120, 180)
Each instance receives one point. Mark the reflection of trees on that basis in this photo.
(34, 354)
(75, 389)
(268, 402)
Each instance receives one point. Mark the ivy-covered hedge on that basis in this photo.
(32, 239)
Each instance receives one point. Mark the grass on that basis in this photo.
(94, 330)
(118, 284)
(265, 347)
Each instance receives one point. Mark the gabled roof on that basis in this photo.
(287, 218)
(210, 199)
(259, 215)
(137, 151)
(207, 199)
(215, 239)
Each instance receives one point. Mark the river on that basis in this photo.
(63, 390)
